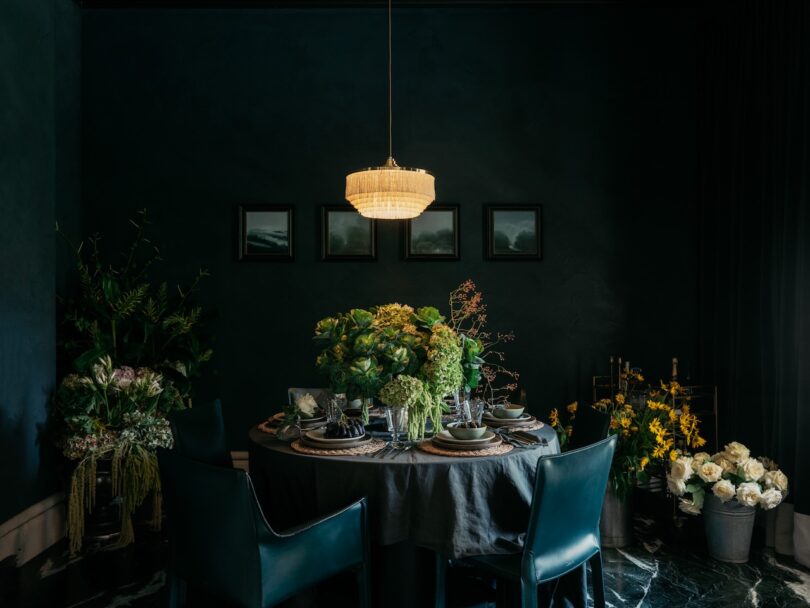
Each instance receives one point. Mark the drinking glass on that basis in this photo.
(477, 406)
(333, 410)
(397, 419)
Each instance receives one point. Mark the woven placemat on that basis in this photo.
(367, 448)
(495, 450)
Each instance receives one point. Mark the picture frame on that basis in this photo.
(347, 235)
(266, 233)
(434, 235)
(513, 232)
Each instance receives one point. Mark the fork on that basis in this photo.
(382, 450)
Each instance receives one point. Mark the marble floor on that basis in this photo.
(665, 569)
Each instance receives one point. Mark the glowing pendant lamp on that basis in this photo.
(390, 192)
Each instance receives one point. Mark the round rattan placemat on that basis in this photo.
(495, 450)
(367, 448)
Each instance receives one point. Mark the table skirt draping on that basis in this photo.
(455, 506)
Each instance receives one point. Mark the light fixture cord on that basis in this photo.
(390, 96)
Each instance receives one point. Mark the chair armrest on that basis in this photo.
(346, 516)
(301, 556)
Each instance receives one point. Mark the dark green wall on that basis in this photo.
(39, 155)
(587, 109)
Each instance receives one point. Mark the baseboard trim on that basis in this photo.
(34, 530)
(240, 460)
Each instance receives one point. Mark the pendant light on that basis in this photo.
(390, 192)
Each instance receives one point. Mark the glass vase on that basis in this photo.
(462, 400)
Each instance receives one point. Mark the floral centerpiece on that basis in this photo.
(730, 475)
(131, 351)
(408, 357)
(482, 358)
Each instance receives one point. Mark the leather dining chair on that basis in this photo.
(199, 433)
(220, 542)
(563, 531)
(590, 426)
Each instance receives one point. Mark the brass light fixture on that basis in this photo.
(390, 192)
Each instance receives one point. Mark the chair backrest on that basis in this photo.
(199, 434)
(214, 526)
(590, 426)
(564, 522)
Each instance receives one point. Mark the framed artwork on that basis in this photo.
(266, 233)
(513, 232)
(434, 235)
(347, 235)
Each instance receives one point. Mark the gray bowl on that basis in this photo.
(508, 412)
(465, 434)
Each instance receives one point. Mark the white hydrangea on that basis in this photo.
(737, 452)
(710, 472)
(724, 490)
(748, 494)
(770, 499)
(676, 486)
(752, 469)
(776, 479)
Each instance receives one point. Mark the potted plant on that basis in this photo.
(130, 350)
(727, 487)
(648, 436)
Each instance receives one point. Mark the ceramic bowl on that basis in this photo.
(508, 412)
(466, 434)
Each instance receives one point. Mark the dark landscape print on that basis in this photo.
(267, 232)
(349, 234)
(514, 232)
(433, 233)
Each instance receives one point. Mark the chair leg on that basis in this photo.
(440, 598)
(175, 591)
(364, 585)
(598, 581)
(528, 594)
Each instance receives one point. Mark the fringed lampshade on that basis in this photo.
(390, 192)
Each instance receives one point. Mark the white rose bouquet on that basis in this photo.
(730, 475)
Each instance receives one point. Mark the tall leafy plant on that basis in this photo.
(120, 313)
(132, 349)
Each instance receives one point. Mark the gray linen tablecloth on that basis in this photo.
(454, 506)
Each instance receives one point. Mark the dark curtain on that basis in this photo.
(755, 263)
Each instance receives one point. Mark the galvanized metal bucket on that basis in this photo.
(729, 527)
(615, 526)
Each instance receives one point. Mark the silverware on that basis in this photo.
(382, 450)
(401, 450)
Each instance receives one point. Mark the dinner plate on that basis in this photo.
(318, 435)
(321, 445)
(446, 445)
(308, 423)
(446, 437)
(524, 420)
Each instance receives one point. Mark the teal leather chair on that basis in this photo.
(221, 543)
(590, 426)
(563, 532)
(199, 433)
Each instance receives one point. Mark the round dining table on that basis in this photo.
(454, 506)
